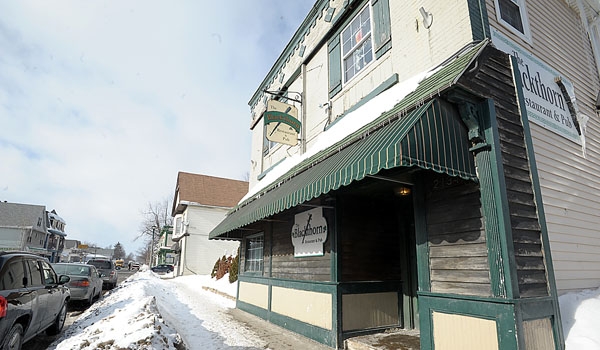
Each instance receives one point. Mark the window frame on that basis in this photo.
(357, 46)
(249, 262)
(521, 4)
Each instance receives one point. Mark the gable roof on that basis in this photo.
(22, 215)
(207, 190)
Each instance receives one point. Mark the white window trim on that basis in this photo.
(524, 18)
(370, 37)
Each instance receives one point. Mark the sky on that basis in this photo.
(167, 311)
(102, 103)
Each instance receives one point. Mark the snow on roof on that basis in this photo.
(345, 126)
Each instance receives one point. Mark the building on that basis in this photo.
(200, 202)
(165, 253)
(31, 228)
(425, 166)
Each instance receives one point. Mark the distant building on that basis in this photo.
(199, 204)
(31, 228)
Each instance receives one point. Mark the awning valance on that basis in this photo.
(430, 136)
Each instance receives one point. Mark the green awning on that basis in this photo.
(430, 136)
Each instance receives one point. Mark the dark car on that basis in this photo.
(86, 283)
(162, 268)
(107, 270)
(33, 299)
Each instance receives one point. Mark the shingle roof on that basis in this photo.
(21, 215)
(208, 190)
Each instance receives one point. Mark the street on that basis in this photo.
(42, 341)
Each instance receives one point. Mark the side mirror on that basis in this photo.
(101, 274)
(62, 279)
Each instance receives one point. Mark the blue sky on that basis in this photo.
(103, 102)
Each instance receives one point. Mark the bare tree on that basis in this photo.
(156, 216)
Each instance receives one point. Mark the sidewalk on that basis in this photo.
(277, 338)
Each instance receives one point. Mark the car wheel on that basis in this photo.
(90, 300)
(59, 322)
(14, 338)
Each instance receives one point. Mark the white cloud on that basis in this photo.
(102, 103)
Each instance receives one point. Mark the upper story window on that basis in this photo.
(357, 48)
(512, 14)
(267, 144)
(364, 36)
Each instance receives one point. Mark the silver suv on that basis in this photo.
(107, 270)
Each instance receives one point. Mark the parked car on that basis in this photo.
(107, 271)
(85, 284)
(33, 298)
(163, 268)
(134, 265)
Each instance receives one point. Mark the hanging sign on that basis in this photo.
(309, 233)
(282, 124)
(544, 101)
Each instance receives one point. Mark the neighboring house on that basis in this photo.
(199, 204)
(31, 228)
(428, 166)
(165, 253)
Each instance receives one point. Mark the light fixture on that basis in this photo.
(402, 191)
(427, 18)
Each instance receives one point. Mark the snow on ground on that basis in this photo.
(148, 311)
(580, 313)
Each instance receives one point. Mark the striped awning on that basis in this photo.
(429, 136)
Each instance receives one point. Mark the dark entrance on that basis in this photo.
(377, 259)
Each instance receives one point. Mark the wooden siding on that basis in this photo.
(494, 80)
(199, 254)
(569, 181)
(457, 246)
(278, 251)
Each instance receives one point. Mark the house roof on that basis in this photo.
(22, 215)
(207, 190)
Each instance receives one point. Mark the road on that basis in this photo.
(74, 310)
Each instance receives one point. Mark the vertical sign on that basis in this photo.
(544, 102)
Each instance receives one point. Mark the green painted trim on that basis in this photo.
(253, 309)
(388, 83)
(496, 211)
(421, 235)
(321, 335)
(480, 25)
(537, 194)
(370, 287)
(503, 313)
(310, 286)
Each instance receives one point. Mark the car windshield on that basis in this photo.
(101, 264)
(79, 270)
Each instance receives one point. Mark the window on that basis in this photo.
(363, 37)
(49, 275)
(35, 272)
(254, 253)
(14, 277)
(267, 144)
(511, 13)
(357, 48)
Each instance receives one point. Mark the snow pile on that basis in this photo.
(150, 311)
(580, 313)
(127, 317)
